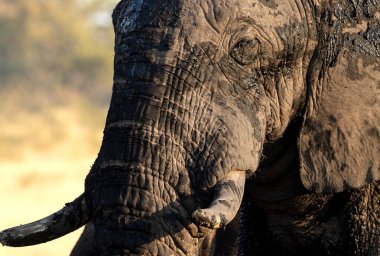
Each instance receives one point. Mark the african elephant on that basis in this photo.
(212, 100)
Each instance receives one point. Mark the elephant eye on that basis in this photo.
(245, 51)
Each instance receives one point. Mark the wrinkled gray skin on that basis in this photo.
(208, 94)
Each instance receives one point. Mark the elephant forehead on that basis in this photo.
(211, 21)
(132, 16)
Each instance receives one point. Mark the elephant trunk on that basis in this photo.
(174, 151)
(73, 216)
(146, 184)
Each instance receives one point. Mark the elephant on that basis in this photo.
(258, 112)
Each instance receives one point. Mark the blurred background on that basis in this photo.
(56, 64)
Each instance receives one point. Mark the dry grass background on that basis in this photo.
(43, 166)
(50, 122)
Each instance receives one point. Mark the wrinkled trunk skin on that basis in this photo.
(140, 179)
(142, 175)
(148, 179)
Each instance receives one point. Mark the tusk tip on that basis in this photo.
(5, 238)
(2, 239)
(205, 218)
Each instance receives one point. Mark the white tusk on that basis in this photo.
(225, 205)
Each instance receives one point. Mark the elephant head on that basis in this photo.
(200, 89)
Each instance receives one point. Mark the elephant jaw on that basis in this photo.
(73, 216)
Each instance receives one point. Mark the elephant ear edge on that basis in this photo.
(339, 143)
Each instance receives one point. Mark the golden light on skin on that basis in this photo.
(224, 24)
(210, 23)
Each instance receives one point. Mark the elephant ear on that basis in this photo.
(339, 140)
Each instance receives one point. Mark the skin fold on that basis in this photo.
(212, 100)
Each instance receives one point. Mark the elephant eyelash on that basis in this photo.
(245, 51)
